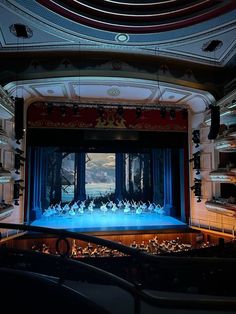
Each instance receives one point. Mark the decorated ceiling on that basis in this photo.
(171, 51)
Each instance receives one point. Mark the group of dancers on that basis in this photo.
(80, 207)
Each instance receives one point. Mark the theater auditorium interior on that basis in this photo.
(118, 156)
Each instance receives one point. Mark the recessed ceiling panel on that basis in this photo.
(174, 95)
(114, 92)
(50, 90)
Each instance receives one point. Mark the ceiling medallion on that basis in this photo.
(122, 38)
(113, 92)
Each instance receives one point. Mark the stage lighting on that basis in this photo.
(138, 113)
(197, 187)
(172, 114)
(196, 137)
(196, 162)
(18, 163)
(215, 122)
(19, 151)
(120, 111)
(75, 109)
(16, 192)
(101, 111)
(18, 119)
(63, 110)
(49, 107)
(163, 112)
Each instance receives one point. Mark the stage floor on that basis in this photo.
(97, 221)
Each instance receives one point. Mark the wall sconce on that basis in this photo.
(196, 162)
(196, 137)
(197, 187)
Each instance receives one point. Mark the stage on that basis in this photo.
(110, 222)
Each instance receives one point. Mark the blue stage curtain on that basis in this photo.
(81, 177)
(157, 170)
(119, 176)
(168, 188)
(36, 176)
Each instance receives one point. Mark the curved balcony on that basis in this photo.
(221, 206)
(226, 144)
(6, 105)
(223, 175)
(5, 210)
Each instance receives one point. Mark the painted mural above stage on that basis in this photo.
(72, 116)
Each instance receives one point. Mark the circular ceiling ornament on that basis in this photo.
(113, 91)
(122, 38)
